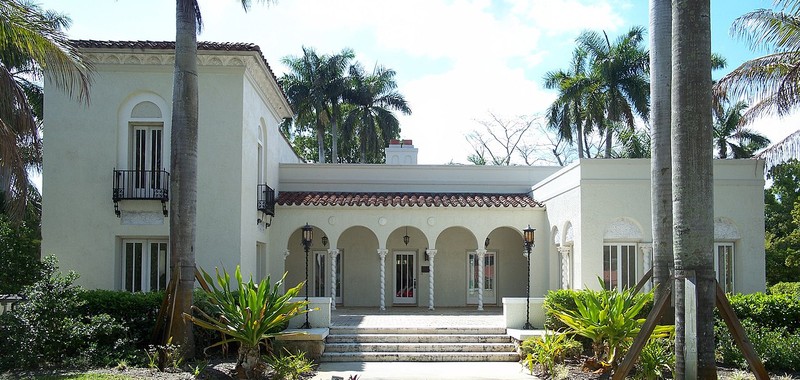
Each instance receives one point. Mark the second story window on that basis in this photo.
(146, 155)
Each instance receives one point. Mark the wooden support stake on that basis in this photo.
(739, 336)
(659, 308)
(643, 281)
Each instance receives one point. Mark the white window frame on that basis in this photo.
(144, 277)
(725, 273)
(625, 252)
(153, 179)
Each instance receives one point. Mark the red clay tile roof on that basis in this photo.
(170, 45)
(303, 198)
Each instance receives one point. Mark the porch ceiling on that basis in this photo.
(416, 199)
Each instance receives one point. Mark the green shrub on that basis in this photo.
(48, 329)
(19, 256)
(136, 311)
(656, 359)
(609, 318)
(289, 366)
(549, 350)
(769, 311)
(777, 348)
(564, 299)
(786, 288)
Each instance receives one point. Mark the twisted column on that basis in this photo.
(481, 253)
(382, 253)
(431, 255)
(647, 263)
(333, 252)
(566, 253)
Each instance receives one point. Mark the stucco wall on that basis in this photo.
(84, 145)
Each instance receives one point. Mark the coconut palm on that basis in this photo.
(567, 114)
(183, 168)
(370, 119)
(33, 45)
(729, 134)
(314, 87)
(620, 71)
(772, 80)
(693, 180)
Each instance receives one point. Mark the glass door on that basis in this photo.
(489, 279)
(405, 279)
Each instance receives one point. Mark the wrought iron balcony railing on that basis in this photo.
(266, 199)
(141, 184)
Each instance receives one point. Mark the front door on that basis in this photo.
(474, 275)
(405, 278)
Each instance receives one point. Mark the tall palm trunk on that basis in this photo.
(578, 129)
(661, 152)
(320, 139)
(693, 180)
(183, 167)
(335, 134)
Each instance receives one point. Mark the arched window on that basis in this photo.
(620, 254)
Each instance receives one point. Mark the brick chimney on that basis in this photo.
(401, 152)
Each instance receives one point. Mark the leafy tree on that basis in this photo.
(370, 120)
(32, 45)
(568, 113)
(183, 167)
(773, 79)
(619, 72)
(314, 87)
(19, 255)
(730, 134)
(782, 223)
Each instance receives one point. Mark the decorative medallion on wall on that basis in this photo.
(382, 221)
(431, 221)
(724, 229)
(622, 228)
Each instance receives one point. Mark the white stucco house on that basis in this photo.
(392, 235)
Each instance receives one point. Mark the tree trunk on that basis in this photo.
(320, 140)
(661, 152)
(248, 362)
(692, 187)
(579, 131)
(183, 176)
(609, 137)
(335, 136)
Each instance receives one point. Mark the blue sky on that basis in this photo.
(456, 61)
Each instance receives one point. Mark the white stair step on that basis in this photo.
(419, 330)
(417, 338)
(419, 347)
(419, 357)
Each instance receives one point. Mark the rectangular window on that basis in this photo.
(619, 266)
(145, 265)
(723, 264)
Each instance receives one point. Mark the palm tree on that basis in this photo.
(370, 119)
(620, 70)
(693, 181)
(314, 86)
(730, 134)
(567, 114)
(660, 149)
(183, 168)
(33, 45)
(774, 79)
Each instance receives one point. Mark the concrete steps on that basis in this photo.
(396, 344)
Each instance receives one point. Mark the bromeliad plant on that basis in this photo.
(249, 316)
(608, 318)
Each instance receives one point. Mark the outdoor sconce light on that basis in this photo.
(308, 235)
(528, 238)
(324, 241)
(406, 239)
(486, 243)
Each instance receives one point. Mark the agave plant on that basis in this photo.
(250, 316)
(607, 318)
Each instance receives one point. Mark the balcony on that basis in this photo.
(140, 185)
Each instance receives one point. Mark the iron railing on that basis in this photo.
(266, 199)
(140, 184)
